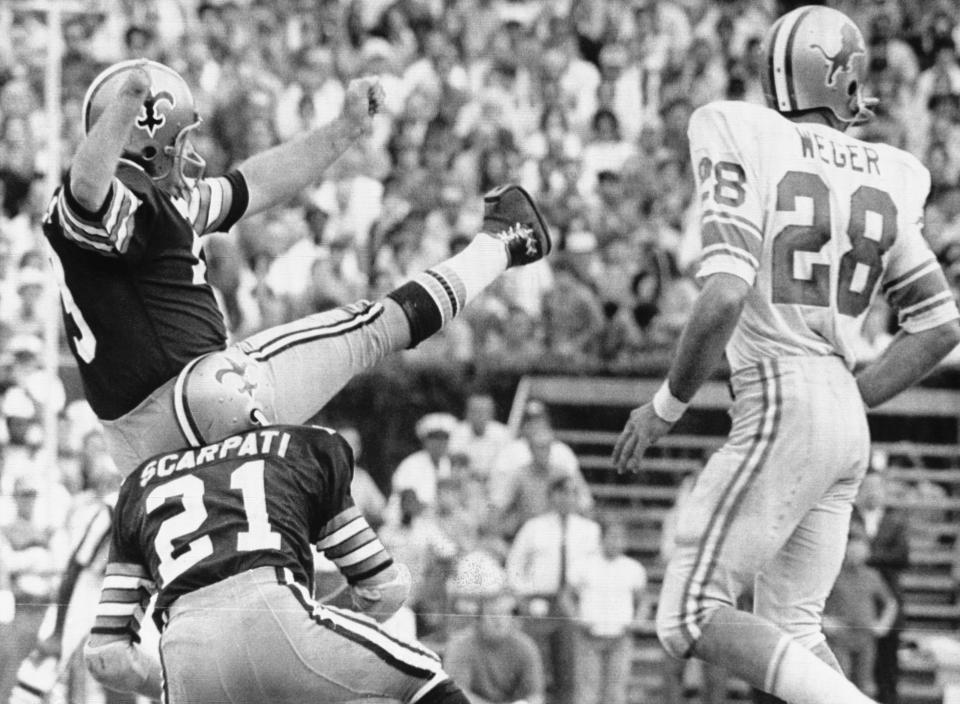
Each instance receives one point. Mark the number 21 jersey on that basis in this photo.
(817, 222)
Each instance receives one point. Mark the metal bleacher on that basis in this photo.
(589, 412)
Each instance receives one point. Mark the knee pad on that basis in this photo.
(223, 393)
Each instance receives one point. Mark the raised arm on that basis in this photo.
(95, 162)
(278, 174)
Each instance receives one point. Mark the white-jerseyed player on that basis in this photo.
(802, 226)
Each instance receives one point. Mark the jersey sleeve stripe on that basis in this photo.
(216, 204)
(746, 223)
(350, 545)
(343, 533)
(723, 248)
(722, 263)
(200, 207)
(911, 275)
(77, 229)
(116, 581)
(348, 515)
(122, 234)
(930, 316)
(926, 304)
(368, 568)
(117, 608)
(127, 569)
(360, 554)
(918, 289)
(715, 234)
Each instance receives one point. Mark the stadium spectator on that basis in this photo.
(611, 599)
(479, 435)
(529, 489)
(548, 550)
(491, 658)
(886, 530)
(421, 470)
(860, 611)
(417, 540)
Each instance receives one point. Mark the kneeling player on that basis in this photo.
(224, 534)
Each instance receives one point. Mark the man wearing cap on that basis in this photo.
(492, 659)
(421, 470)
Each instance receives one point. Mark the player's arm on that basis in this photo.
(279, 173)
(94, 164)
(113, 654)
(378, 585)
(730, 214)
(915, 286)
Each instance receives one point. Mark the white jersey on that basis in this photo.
(816, 222)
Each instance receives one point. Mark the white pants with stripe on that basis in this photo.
(257, 637)
(771, 509)
(307, 361)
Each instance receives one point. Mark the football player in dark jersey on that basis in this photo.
(222, 534)
(124, 233)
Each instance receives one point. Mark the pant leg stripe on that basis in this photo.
(774, 414)
(289, 339)
(349, 616)
(688, 616)
(181, 407)
(401, 656)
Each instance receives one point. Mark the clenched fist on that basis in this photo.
(137, 83)
(364, 99)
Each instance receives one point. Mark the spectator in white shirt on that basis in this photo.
(516, 454)
(547, 552)
(421, 470)
(479, 435)
(611, 599)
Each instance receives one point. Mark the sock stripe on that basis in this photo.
(427, 281)
(447, 289)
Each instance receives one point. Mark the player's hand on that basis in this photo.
(365, 98)
(643, 429)
(137, 84)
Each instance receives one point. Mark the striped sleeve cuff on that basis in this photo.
(351, 544)
(123, 597)
(726, 259)
(107, 231)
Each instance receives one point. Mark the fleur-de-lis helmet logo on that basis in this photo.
(151, 117)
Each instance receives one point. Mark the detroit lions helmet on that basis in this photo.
(159, 138)
(815, 58)
(220, 394)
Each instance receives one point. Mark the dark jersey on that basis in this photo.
(136, 303)
(261, 498)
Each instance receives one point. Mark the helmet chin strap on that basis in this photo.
(862, 110)
(259, 417)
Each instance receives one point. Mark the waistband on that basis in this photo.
(228, 590)
(825, 366)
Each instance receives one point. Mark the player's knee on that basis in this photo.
(447, 692)
(672, 635)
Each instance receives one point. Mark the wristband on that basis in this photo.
(667, 406)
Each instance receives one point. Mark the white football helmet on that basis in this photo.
(159, 139)
(816, 58)
(221, 394)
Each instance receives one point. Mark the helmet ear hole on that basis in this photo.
(852, 88)
(149, 152)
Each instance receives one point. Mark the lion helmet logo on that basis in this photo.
(151, 118)
(851, 45)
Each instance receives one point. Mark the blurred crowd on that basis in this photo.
(584, 102)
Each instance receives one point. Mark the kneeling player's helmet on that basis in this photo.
(815, 57)
(158, 141)
(221, 394)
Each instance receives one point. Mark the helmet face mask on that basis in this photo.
(159, 139)
(816, 59)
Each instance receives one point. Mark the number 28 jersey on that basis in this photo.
(817, 222)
